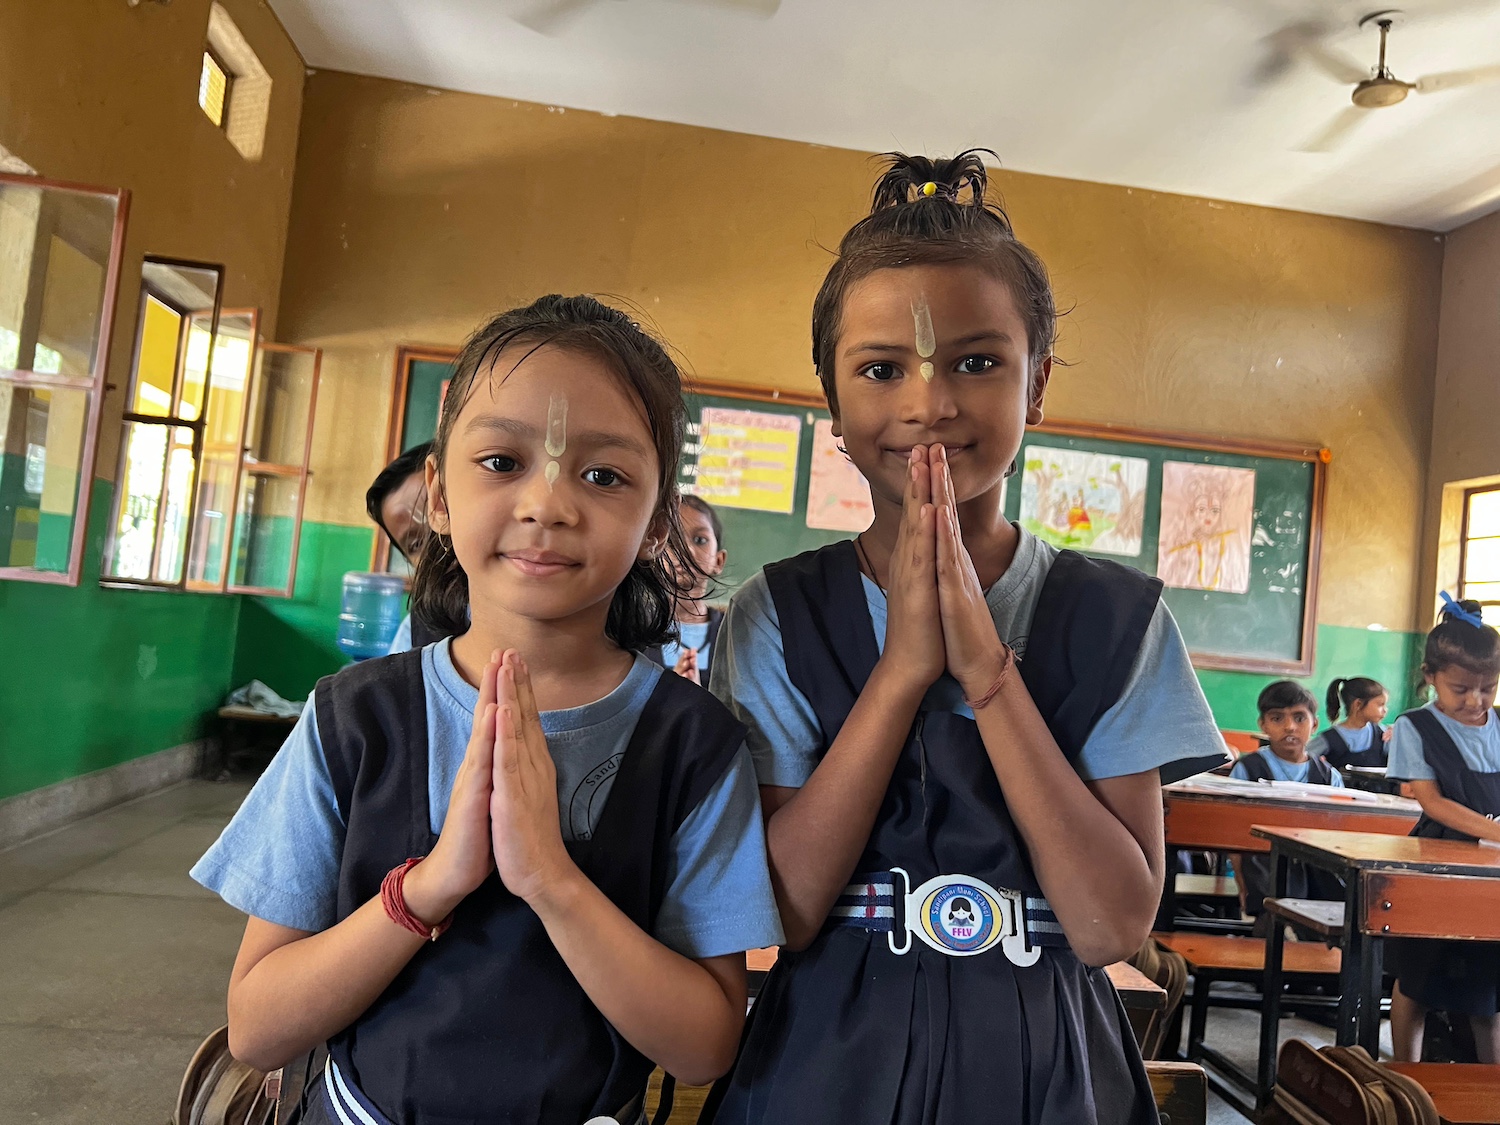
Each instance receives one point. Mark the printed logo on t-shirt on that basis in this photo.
(587, 803)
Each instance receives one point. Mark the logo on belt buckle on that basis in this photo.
(962, 916)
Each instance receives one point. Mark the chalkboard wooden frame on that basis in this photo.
(1315, 455)
(406, 355)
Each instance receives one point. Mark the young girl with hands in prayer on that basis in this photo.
(957, 729)
(504, 875)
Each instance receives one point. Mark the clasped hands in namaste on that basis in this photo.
(937, 618)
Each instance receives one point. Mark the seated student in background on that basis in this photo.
(691, 654)
(1450, 753)
(1359, 740)
(397, 502)
(1288, 716)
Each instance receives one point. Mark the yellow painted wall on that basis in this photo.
(1466, 415)
(417, 212)
(102, 93)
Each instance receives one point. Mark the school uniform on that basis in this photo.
(970, 1006)
(658, 807)
(1255, 870)
(413, 632)
(700, 635)
(1427, 745)
(1343, 748)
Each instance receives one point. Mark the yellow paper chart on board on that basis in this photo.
(748, 459)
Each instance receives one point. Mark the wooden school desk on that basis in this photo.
(1215, 814)
(1396, 886)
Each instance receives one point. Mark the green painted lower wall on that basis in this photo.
(91, 677)
(1391, 658)
(290, 643)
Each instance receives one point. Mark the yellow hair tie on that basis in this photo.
(928, 189)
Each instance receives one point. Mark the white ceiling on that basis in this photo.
(1190, 96)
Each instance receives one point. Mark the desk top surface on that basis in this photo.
(1359, 850)
(1285, 795)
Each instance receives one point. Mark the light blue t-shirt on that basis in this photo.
(1161, 715)
(1359, 740)
(1283, 770)
(1480, 746)
(401, 642)
(279, 857)
(690, 634)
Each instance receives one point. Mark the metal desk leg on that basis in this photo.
(1372, 957)
(1351, 978)
(1270, 1006)
(1198, 1020)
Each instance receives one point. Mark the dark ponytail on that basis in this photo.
(644, 609)
(927, 212)
(1461, 637)
(1356, 689)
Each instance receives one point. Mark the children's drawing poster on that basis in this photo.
(838, 496)
(1086, 501)
(1207, 519)
(747, 459)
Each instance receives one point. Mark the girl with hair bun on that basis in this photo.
(1449, 751)
(1359, 740)
(589, 856)
(908, 757)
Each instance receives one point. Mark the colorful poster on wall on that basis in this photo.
(1207, 517)
(748, 459)
(1085, 501)
(838, 496)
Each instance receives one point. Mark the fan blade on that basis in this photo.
(1452, 79)
(1337, 131)
(765, 9)
(551, 17)
(1336, 65)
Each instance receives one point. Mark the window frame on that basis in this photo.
(170, 421)
(94, 386)
(300, 473)
(1464, 539)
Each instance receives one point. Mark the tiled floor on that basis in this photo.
(113, 965)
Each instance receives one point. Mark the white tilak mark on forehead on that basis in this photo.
(557, 426)
(921, 316)
(556, 442)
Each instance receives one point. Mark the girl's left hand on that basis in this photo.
(524, 821)
(975, 656)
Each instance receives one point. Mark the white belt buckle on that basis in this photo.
(962, 916)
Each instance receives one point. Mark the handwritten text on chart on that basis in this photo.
(747, 459)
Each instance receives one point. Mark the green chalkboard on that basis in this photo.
(1239, 553)
(754, 538)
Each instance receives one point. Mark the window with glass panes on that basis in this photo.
(1479, 565)
(214, 83)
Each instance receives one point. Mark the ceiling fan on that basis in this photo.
(549, 17)
(1381, 88)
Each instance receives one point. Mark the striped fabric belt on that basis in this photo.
(351, 1107)
(958, 915)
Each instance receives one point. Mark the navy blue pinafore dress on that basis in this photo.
(1012, 1029)
(1450, 976)
(487, 1025)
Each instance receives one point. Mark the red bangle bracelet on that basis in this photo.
(1008, 663)
(393, 898)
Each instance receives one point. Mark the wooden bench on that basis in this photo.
(1207, 887)
(1214, 957)
(1181, 1092)
(1317, 916)
(1464, 1093)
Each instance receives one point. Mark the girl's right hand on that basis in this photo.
(914, 634)
(463, 856)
